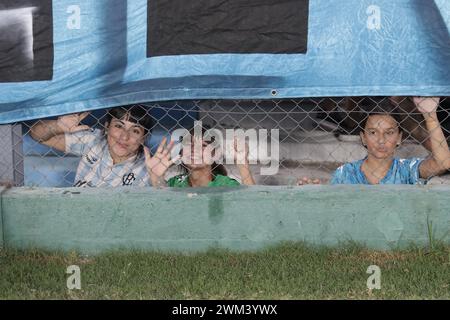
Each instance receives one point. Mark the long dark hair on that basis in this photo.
(384, 108)
(216, 168)
(136, 113)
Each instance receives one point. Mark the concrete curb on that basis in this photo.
(243, 218)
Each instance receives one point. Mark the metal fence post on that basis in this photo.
(11, 154)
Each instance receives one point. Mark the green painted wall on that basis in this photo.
(94, 220)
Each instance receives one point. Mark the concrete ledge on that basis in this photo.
(95, 220)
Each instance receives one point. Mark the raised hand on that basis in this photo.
(439, 162)
(161, 160)
(426, 105)
(71, 122)
(241, 152)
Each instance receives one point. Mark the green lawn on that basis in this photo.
(289, 271)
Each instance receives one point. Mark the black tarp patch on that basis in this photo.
(26, 40)
(179, 27)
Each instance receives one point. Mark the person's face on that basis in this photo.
(197, 155)
(124, 138)
(381, 136)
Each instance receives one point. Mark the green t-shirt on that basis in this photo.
(182, 181)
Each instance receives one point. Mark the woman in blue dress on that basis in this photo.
(381, 136)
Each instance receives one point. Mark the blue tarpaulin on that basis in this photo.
(100, 56)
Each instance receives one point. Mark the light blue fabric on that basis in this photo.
(402, 171)
(104, 63)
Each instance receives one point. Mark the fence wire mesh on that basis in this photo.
(296, 141)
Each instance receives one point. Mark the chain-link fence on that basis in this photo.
(287, 141)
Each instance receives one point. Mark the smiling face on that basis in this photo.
(124, 139)
(197, 159)
(381, 136)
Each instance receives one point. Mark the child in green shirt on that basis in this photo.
(198, 169)
(182, 181)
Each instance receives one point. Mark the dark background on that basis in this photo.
(13, 66)
(177, 27)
